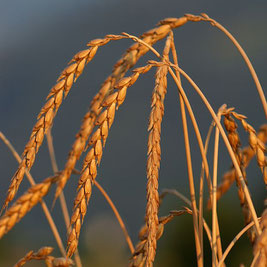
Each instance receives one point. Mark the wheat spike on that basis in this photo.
(154, 154)
(128, 60)
(24, 204)
(47, 114)
(97, 141)
(234, 140)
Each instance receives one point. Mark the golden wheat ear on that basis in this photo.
(128, 60)
(24, 204)
(93, 158)
(154, 154)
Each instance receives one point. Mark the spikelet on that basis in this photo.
(41, 254)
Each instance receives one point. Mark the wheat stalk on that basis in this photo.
(260, 246)
(205, 17)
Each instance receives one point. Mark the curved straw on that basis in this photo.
(188, 202)
(117, 214)
(214, 191)
(44, 206)
(232, 243)
(226, 141)
(198, 244)
(201, 188)
(62, 199)
(205, 17)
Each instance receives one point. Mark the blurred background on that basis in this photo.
(38, 38)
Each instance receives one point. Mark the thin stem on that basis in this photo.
(235, 239)
(214, 191)
(199, 142)
(227, 144)
(117, 214)
(205, 17)
(246, 59)
(199, 250)
(43, 204)
(62, 199)
(201, 188)
(188, 202)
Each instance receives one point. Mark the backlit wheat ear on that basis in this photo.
(255, 143)
(41, 254)
(141, 250)
(24, 204)
(47, 114)
(154, 155)
(93, 157)
(129, 59)
(234, 140)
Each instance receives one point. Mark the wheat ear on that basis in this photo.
(24, 204)
(154, 154)
(128, 60)
(93, 157)
(233, 137)
(41, 254)
(47, 114)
